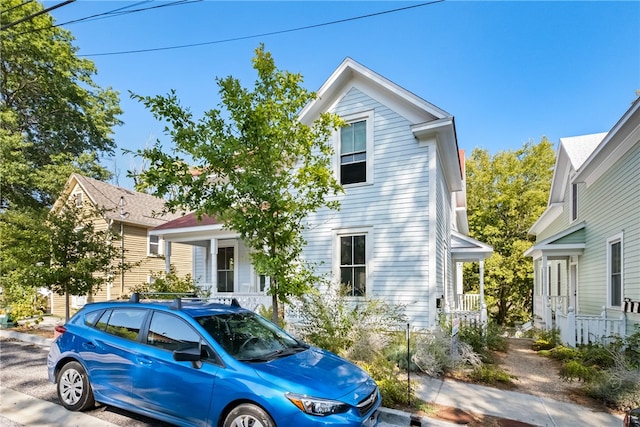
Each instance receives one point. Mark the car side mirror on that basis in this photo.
(191, 354)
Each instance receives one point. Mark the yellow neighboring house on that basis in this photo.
(131, 215)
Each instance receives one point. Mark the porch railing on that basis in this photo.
(247, 299)
(468, 302)
(579, 330)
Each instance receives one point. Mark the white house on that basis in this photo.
(587, 251)
(401, 232)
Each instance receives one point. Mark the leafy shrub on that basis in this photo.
(169, 283)
(484, 339)
(619, 388)
(387, 375)
(396, 351)
(437, 353)
(491, 375)
(546, 340)
(333, 321)
(562, 353)
(575, 370)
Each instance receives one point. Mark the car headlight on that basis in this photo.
(316, 406)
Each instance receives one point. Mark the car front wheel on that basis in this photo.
(247, 415)
(74, 390)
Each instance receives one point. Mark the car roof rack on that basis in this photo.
(176, 304)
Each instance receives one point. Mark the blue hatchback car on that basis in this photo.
(195, 363)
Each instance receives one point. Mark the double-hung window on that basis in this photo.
(154, 245)
(614, 270)
(355, 150)
(353, 267)
(353, 153)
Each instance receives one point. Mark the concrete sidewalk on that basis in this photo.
(522, 407)
(526, 408)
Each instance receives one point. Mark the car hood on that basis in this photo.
(319, 373)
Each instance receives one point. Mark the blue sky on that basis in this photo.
(510, 72)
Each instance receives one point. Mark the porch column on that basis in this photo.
(167, 256)
(213, 247)
(546, 308)
(483, 305)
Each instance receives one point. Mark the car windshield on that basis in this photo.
(249, 337)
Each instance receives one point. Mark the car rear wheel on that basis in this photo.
(74, 390)
(247, 415)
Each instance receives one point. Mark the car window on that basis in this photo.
(247, 336)
(91, 317)
(171, 332)
(123, 322)
(174, 333)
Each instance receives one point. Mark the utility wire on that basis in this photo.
(16, 6)
(307, 27)
(27, 18)
(113, 13)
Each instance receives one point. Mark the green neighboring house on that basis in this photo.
(587, 251)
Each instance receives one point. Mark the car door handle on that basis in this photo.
(88, 346)
(143, 361)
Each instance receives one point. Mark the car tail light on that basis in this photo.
(59, 330)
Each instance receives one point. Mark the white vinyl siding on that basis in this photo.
(617, 190)
(396, 205)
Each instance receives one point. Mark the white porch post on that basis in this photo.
(213, 246)
(545, 293)
(483, 305)
(167, 256)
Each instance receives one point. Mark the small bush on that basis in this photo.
(562, 353)
(169, 283)
(491, 375)
(387, 376)
(546, 340)
(575, 370)
(484, 339)
(619, 388)
(437, 354)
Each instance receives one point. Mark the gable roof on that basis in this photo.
(428, 122)
(120, 203)
(620, 139)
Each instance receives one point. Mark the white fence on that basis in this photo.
(580, 330)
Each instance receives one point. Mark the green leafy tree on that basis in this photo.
(82, 255)
(53, 116)
(252, 165)
(506, 194)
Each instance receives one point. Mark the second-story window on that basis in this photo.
(353, 153)
(154, 245)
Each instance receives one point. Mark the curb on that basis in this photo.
(400, 418)
(20, 336)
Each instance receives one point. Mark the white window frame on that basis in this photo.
(78, 199)
(360, 231)
(367, 117)
(229, 243)
(573, 202)
(150, 243)
(618, 238)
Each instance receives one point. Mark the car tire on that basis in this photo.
(247, 415)
(74, 389)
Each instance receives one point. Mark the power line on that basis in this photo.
(16, 6)
(113, 13)
(307, 27)
(27, 18)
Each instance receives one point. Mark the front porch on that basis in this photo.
(468, 308)
(556, 291)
